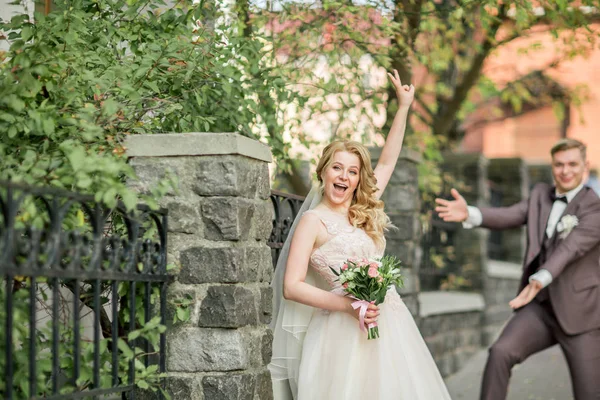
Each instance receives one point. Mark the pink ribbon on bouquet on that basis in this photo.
(363, 305)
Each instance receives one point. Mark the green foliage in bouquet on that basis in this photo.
(370, 279)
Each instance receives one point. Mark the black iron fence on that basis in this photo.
(285, 209)
(441, 266)
(438, 263)
(82, 296)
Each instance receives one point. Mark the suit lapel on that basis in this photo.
(570, 209)
(545, 207)
(574, 204)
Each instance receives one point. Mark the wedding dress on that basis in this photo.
(336, 361)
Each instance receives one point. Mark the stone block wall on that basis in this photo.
(451, 324)
(455, 325)
(219, 222)
(403, 206)
(501, 286)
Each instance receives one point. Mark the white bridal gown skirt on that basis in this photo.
(339, 363)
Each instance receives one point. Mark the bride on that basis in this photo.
(319, 350)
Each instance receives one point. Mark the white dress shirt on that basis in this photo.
(558, 208)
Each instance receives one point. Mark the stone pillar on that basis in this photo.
(403, 206)
(470, 244)
(219, 222)
(501, 286)
(509, 184)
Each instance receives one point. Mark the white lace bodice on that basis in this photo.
(345, 241)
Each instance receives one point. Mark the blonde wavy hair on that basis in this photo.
(366, 211)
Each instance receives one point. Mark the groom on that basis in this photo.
(559, 299)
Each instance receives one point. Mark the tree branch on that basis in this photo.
(422, 118)
(425, 108)
(444, 122)
(295, 179)
(105, 323)
(414, 19)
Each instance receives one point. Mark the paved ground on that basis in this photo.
(543, 376)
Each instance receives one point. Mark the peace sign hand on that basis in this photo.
(405, 93)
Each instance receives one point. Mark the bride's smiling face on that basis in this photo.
(341, 178)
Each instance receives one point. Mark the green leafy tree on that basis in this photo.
(444, 42)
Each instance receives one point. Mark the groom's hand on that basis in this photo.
(526, 295)
(452, 210)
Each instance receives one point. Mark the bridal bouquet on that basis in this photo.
(367, 281)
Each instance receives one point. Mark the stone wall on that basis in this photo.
(455, 325)
(510, 180)
(501, 286)
(451, 324)
(403, 206)
(219, 221)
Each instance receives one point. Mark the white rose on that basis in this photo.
(566, 224)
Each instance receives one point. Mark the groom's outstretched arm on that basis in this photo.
(505, 217)
(457, 210)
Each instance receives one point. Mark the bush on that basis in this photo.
(75, 83)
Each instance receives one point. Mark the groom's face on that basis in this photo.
(568, 168)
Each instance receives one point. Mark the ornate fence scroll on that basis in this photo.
(82, 301)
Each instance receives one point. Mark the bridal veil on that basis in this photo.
(291, 319)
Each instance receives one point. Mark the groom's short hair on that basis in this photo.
(568, 144)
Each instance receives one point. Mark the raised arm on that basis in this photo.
(457, 210)
(294, 286)
(393, 144)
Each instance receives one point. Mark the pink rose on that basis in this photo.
(345, 285)
(374, 265)
(380, 279)
(373, 272)
(344, 267)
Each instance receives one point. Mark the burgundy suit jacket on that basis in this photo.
(573, 261)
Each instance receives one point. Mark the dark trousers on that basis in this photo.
(533, 329)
